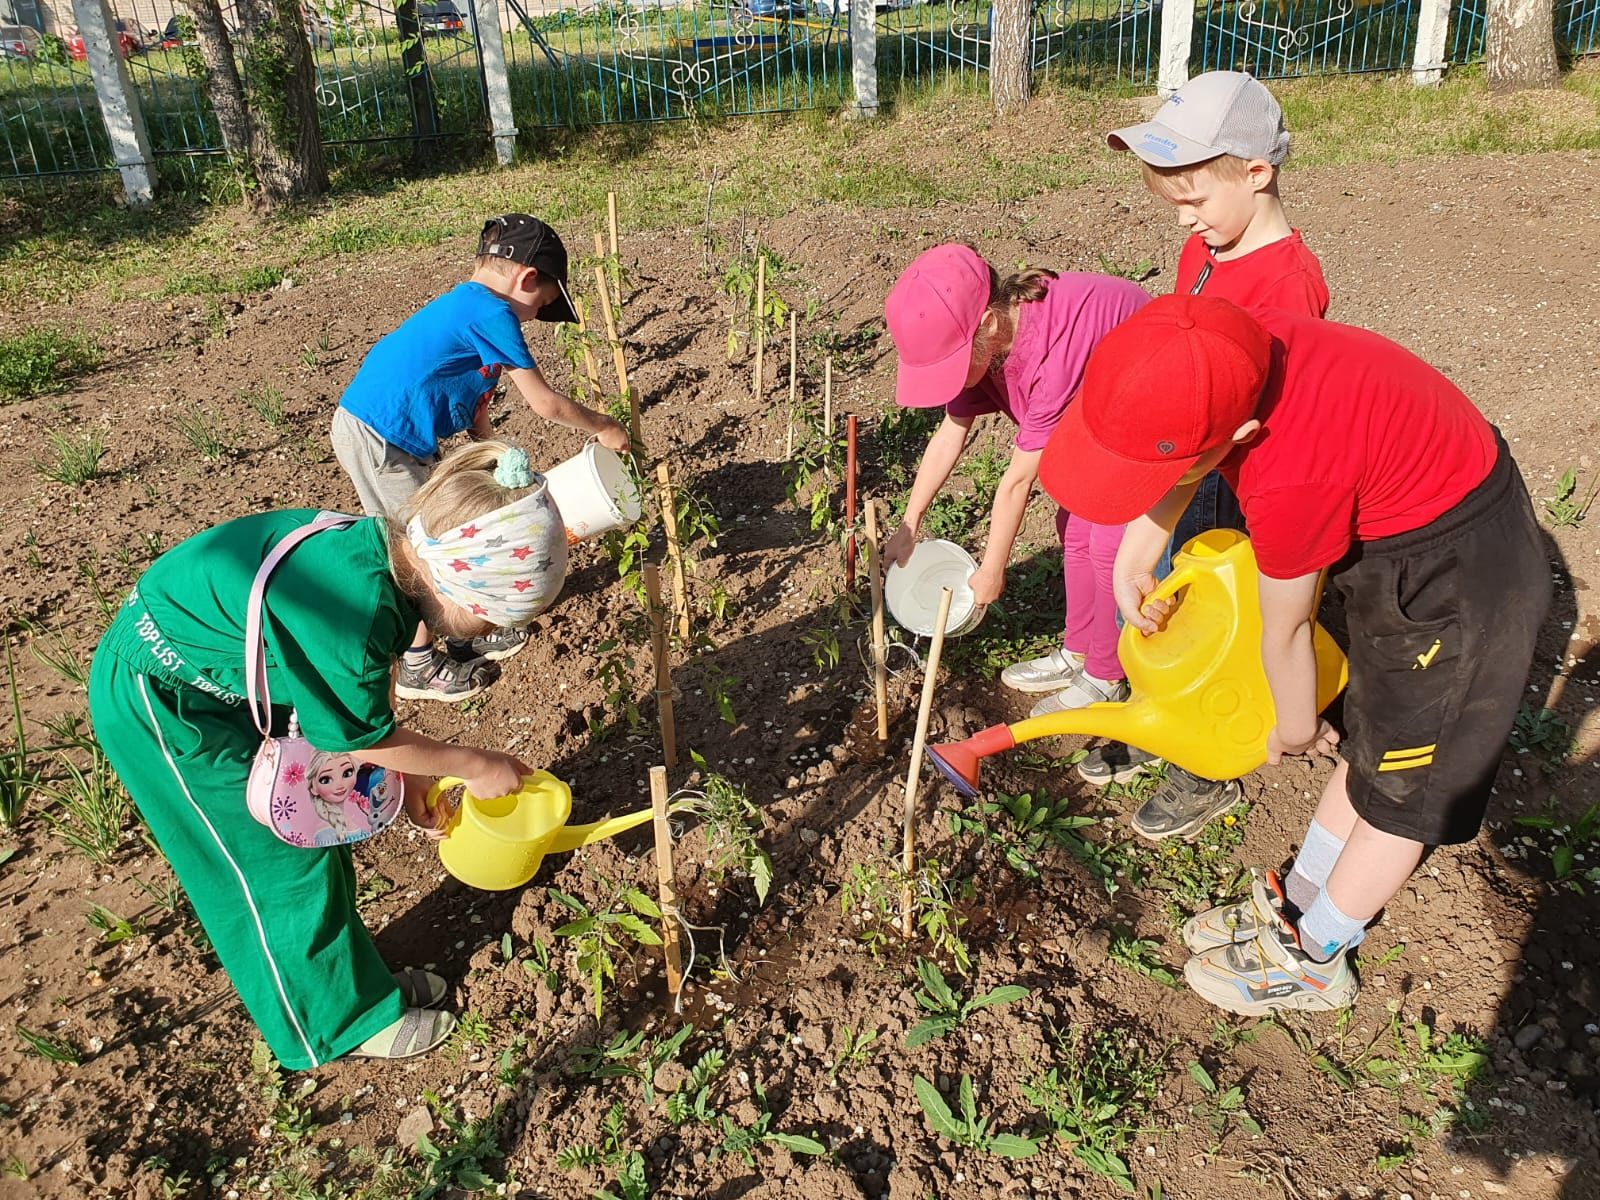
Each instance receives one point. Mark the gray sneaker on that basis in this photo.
(1115, 762)
(443, 678)
(1237, 922)
(1183, 804)
(495, 645)
(1080, 693)
(1048, 674)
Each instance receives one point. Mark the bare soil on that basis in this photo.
(1485, 266)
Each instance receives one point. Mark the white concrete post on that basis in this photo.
(1177, 31)
(496, 84)
(119, 102)
(864, 55)
(1433, 43)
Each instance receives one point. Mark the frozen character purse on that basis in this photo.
(306, 796)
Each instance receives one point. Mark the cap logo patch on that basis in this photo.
(1160, 147)
(1165, 447)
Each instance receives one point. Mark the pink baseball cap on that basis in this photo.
(933, 312)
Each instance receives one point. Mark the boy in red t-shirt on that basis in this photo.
(1350, 456)
(1213, 151)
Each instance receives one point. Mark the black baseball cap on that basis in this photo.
(520, 238)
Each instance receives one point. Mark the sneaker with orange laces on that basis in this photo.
(1268, 971)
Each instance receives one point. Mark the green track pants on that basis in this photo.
(283, 919)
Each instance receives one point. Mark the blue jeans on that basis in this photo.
(1213, 506)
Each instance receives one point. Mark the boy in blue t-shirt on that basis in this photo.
(433, 377)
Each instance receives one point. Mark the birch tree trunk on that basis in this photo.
(1011, 55)
(1520, 46)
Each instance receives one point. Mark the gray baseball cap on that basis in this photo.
(1220, 112)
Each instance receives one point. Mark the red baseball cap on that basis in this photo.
(1172, 381)
(933, 312)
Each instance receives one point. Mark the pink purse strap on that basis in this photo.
(255, 650)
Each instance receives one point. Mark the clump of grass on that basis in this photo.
(72, 461)
(267, 403)
(201, 430)
(41, 360)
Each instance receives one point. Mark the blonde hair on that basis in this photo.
(463, 488)
(1171, 182)
(501, 266)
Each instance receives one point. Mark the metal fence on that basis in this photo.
(655, 60)
(1276, 39)
(1082, 42)
(393, 76)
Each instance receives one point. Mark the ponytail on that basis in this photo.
(469, 484)
(1027, 286)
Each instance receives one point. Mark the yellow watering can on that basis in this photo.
(1200, 695)
(498, 844)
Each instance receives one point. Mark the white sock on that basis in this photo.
(1312, 866)
(1325, 930)
(419, 656)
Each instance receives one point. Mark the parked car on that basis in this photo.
(19, 41)
(127, 42)
(440, 18)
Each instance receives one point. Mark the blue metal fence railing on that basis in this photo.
(50, 123)
(389, 72)
(1577, 29)
(1084, 42)
(659, 60)
(1275, 39)
(1093, 41)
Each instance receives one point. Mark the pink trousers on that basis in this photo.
(1087, 554)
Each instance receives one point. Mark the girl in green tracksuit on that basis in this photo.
(484, 548)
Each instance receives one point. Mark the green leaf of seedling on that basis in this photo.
(1249, 1124)
(933, 979)
(560, 897)
(796, 1144)
(761, 874)
(969, 1102)
(1202, 1077)
(1562, 860)
(576, 928)
(1009, 1145)
(638, 930)
(505, 947)
(641, 903)
(939, 1115)
(925, 1031)
(1009, 994)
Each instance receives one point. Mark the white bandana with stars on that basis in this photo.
(506, 567)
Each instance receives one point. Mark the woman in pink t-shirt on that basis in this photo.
(973, 343)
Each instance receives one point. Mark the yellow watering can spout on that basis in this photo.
(1200, 696)
(497, 844)
(570, 837)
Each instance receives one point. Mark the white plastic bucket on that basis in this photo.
(593, 492)
(912, 591)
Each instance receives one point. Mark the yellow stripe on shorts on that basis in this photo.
(1413, 756)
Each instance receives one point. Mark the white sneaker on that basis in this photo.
(1082, 692)
(1048, 674)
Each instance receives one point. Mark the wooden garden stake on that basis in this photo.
(827, 397)
(658, 649)
(760, 317)
(880, 666)
(591, 368)
(619, 363)
(669, 519)
(850, 502)
(611, 227)
(794, 391)
(914, 773)
(668, 898)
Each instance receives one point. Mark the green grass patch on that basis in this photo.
(41, 360)
(61, 243)
(206, 283)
